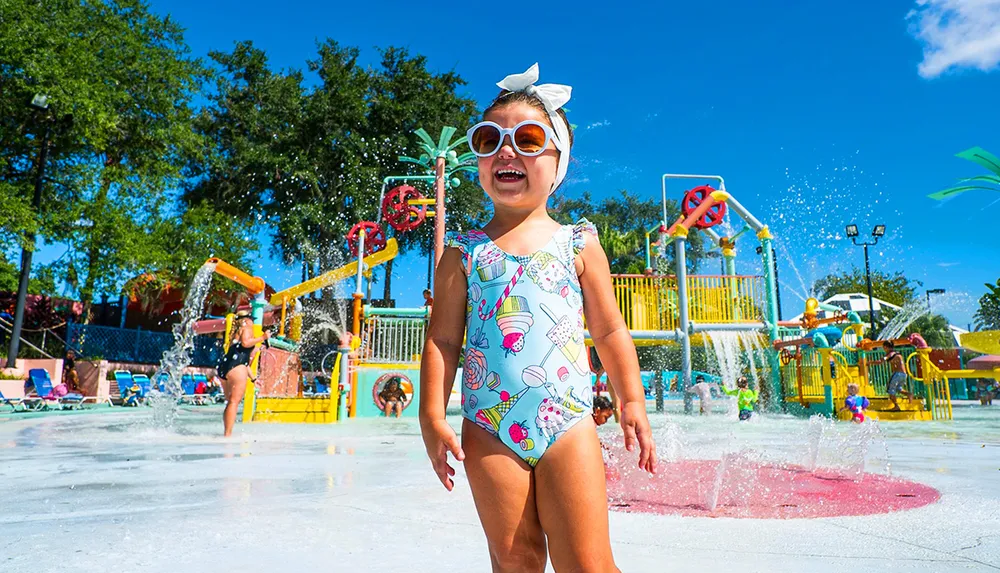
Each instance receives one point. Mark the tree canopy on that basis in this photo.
(892, 287)
(120, 85)
(987, 317)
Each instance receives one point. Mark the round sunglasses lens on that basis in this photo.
(485, 139)
(530, 138)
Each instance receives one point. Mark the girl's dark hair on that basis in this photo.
(742, 380)
(507, 98)
(888, 344)
(601, 403)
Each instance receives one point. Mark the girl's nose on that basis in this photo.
(506, 149)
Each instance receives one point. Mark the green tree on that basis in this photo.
(987, 317)
(622, 223)
(124, 75)
(310, 162)
(934, 328)
(893, 287)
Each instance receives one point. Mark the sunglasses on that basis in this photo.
(530, 138)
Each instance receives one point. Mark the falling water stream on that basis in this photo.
(178, 358)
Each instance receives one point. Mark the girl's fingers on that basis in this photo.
(647, 451)
(455, 448)
(630, 439)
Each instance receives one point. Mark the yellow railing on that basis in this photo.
(650, 302)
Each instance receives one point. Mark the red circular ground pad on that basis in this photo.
(759, 490)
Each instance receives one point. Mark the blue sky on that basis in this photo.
(815, 116)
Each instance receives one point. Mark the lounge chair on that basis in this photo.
(42, 385)
(130, 391)
(145, 386)
(19, 404)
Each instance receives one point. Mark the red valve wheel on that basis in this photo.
(374, 237)
(398, 212)
(786, 356)
(693, 198)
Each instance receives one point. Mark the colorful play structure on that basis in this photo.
(807, 366)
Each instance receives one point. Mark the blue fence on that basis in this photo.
(141, 346)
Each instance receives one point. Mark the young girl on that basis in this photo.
(520, 286)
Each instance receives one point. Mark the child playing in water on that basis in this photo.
(603, 411)
(745, 397)
(704, 391)
(897, 382)
(856, 404)
(529, 444)
(393, 397)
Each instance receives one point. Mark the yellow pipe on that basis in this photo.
(284, 311)
(326, 279)
(255, 285)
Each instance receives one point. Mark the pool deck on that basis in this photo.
(105, 491)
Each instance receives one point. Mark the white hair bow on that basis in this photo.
(553, 96)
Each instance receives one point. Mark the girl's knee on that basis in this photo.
(525, 556)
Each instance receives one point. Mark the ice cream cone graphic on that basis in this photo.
(514, 320)
(489, 418)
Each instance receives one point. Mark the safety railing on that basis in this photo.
(392, 340)
(651, 302)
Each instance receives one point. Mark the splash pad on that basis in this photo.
(742, 488)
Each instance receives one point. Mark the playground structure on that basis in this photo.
(809, 363)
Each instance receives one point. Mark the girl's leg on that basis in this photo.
(503, 488)
(573, 518)
(399, 409)
(236, 384)
(387, 409)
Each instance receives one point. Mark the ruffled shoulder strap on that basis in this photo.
(466, 243)
(579, 238)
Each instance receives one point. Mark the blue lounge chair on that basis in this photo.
(39, 379)
(187, 385)
(16, 404)
(130, 392)
(145, 386)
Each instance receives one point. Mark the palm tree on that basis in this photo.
(623, 248)
(988, 315)
(981, 157)
(935, 330)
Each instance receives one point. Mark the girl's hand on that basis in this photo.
(637, 431)
(439, 439)
(267, 334)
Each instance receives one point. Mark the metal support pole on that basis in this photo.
(27, 250)
(771, 287)
(871, 303)
(680, 242)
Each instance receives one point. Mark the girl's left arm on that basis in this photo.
(612, 339)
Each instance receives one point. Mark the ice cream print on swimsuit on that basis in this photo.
(525, 377)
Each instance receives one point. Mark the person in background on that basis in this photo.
(602, 410)
(745, 397)
(235, 367)
(599, 386)
(428, 299)
(704, 391)
(897, 382)
(70, 378)
(856, 404)
(394, 397)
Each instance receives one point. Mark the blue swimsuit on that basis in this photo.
(526, 378)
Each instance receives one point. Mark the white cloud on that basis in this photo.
(956, 34)
(596, 124)
(946, 265)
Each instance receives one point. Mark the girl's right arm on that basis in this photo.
(248, 340)
(439, 363)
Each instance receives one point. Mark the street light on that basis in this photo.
(877, 232)
(40, 103)
(931, 291)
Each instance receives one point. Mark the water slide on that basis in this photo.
(336, 275)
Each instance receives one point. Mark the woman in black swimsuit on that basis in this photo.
(235, 366)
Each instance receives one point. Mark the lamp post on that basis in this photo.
(877, 233)
(929, 293)
(40, 104)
